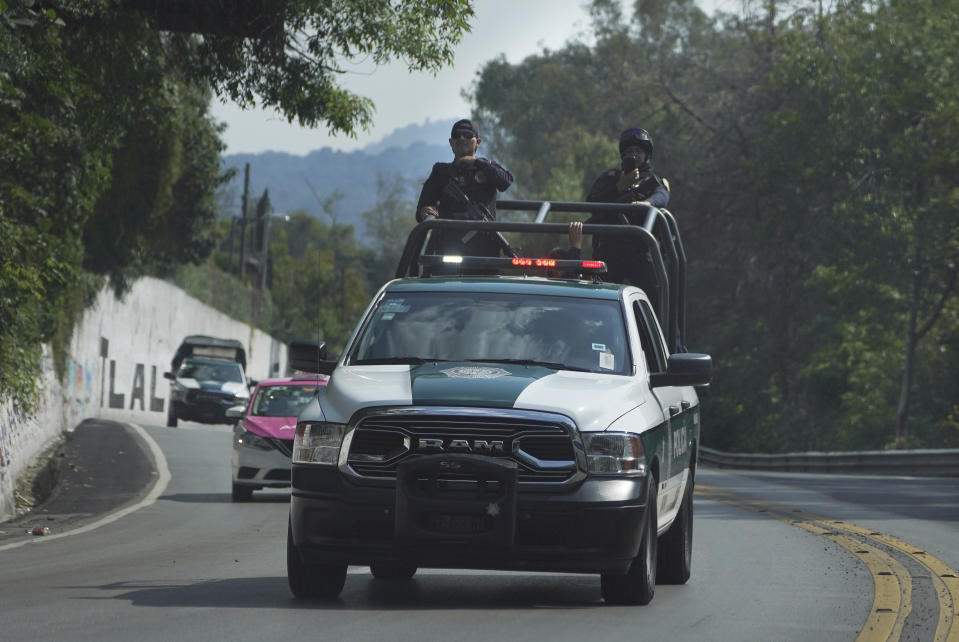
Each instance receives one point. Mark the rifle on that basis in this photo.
(477, 212)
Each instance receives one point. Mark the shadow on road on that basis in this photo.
(363, 592)
(226, 498)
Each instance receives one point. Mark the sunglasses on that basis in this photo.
(466, 135)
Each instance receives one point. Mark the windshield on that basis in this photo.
(282, 401)
(211, 372)
(577, 334)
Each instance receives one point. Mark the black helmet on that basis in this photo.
(634, 136)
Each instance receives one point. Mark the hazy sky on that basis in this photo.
(516, 28)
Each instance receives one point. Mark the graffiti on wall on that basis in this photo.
(79, 384)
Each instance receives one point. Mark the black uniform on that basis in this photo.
(625, 263)
(479, 182)
(649, 187)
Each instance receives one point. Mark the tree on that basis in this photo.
(109, 160)
(388, 223)
(108, 146)
(318, 287)
(288, 55)
(814, 181)
(886, 138)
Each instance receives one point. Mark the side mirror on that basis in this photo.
(684, 369)
(251, 382)
(310, 356)
(236, 412)
(169, 375)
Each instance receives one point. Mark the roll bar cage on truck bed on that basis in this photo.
(658, 236)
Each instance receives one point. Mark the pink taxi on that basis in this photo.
(263, 434)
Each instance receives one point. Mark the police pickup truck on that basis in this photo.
(511, 413)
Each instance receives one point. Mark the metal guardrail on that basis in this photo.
(916, 463)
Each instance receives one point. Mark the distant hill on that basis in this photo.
(430, 132)
(408, 152)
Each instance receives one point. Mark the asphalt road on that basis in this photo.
(187, 563)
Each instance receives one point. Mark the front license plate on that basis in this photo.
(456, 523)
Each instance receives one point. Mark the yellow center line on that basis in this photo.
(892, 591)
(893, 582)
(945, 580)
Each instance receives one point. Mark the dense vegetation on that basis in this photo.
(810, 148)
(320, 278)
(815, 178)
(109, 160)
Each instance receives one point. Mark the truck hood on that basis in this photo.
(233, 387)
(278, 427)
(592, 400)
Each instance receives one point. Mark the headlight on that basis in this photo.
(318, 442)
(615, 453)
(250, 440)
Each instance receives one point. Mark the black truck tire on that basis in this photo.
(675, 558)
(637, 585)
(312, 581)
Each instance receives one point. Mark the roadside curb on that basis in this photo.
(141, 497)
(39, 480)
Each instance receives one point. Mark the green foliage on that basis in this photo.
(388, 223)
(110, 161)
(319, 280)
(588, 157)
(295, 69)
(226, 292)
(318, 283)
(878, 169)
(815, 180)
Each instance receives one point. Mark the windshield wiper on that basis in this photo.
(532, 362)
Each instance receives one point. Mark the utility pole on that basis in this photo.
(232, 232)
(265, 250)
(243, 208)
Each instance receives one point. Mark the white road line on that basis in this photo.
(163, 478)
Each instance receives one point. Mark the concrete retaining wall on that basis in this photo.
(115, 366)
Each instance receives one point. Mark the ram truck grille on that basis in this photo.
(543, 450)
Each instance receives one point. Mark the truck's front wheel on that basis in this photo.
(676, 549)
(639, 583)
(316, 581)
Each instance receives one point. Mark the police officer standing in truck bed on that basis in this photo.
(469, 175)
(632, 182)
